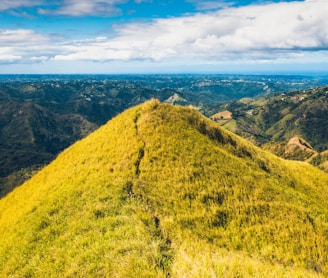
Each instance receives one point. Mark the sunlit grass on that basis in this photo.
(162, 189)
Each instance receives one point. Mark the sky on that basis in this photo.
(156, 36)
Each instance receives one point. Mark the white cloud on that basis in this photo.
(141, 1)
(23, 45)
(65, 7)
(10, 4)
(259, 32)
(84, 7)
(20, 37)
(7, 57)
(252, 34)
(39, 58)
(210, 5)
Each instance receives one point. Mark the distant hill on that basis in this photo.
(40, 119)
(34, 132)
(320, 160)
(32, 135)
(163, 191)
(272, 121)
(43, 114)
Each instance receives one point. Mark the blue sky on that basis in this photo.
(155, 36)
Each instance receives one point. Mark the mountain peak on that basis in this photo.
(142, 193)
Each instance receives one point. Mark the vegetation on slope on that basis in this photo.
(320, 160)
(31, 134)
(43, 114)
(161, 190)
(272, 121)
(40, 119)
(296, 148)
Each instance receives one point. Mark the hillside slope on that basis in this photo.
(36, 133)
(40, 119)
(31, 135)
(40, 115)
(282, 116)
(162, 190)
(273, 121)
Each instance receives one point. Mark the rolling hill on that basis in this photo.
(163, 191)
(32, 135)
(275, 122)
(40, 119)
(40, 115)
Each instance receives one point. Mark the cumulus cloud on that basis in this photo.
(21, 45)
(7, 57)
(20, 37)
(259, 33)
(270, 31)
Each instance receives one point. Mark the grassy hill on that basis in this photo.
(31, 135)
(40, 119)
(273, 121)
(41, 115)
(161, 190)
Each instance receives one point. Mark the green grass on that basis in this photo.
(320, 160)
(162, 190)
(279, 118)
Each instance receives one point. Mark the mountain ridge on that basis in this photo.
(272, 121)
(62, 109)
(143, 192)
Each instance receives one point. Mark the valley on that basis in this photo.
(293, 125)
(41, 115)
(158, 139)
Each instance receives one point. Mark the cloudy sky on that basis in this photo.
(157, 36)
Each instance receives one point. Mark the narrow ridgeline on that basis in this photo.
(163, 191)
